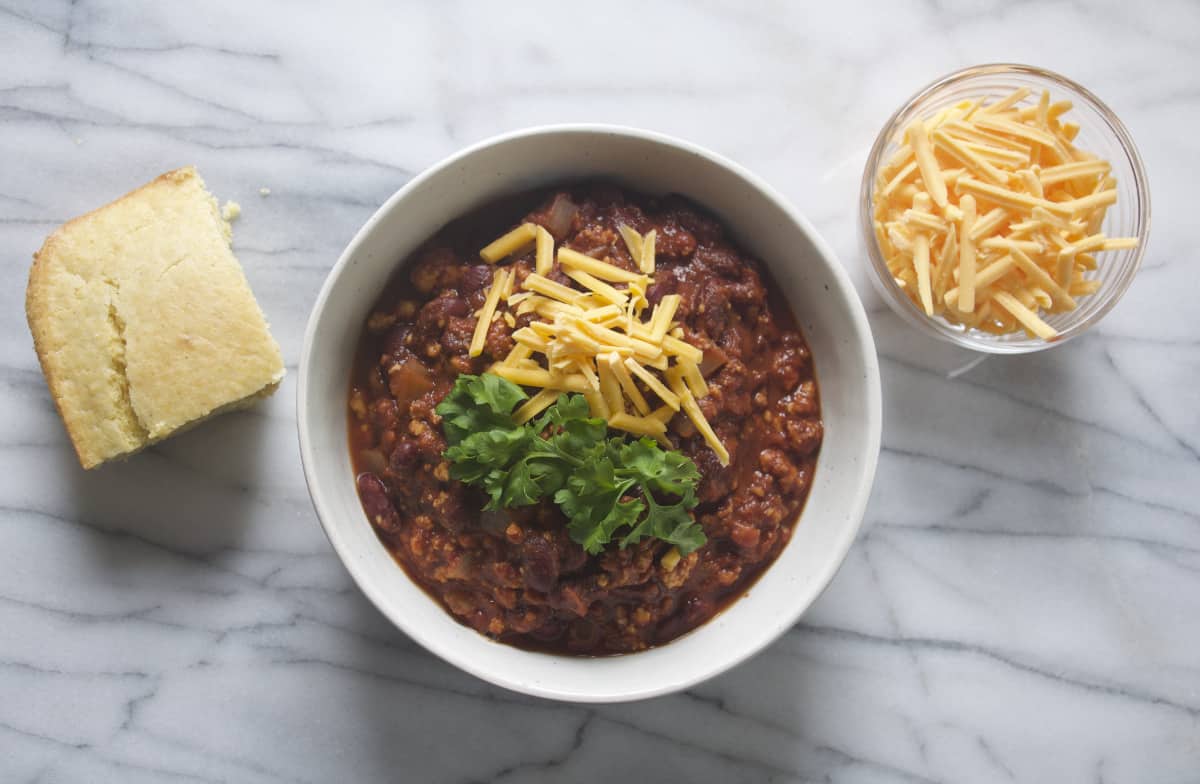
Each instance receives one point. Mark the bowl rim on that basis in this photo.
(973, 339)
(840, 543)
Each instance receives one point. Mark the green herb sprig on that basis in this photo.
(603, 485)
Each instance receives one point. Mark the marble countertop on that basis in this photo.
(1022, 603)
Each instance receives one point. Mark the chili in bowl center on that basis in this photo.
(590, 435)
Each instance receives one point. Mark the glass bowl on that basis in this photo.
(1100, 133)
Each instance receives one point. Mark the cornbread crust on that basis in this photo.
(143, 320)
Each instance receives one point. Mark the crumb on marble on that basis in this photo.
(264, 191)
(231, 211)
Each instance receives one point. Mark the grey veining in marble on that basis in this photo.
(1023, 603)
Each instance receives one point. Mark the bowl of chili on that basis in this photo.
(393, 495)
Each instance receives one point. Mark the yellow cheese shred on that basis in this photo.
(647, 258)
(1024, 315)
(610, 385)
(528, 377)
(518, 353)
(1039, 276)
(664, 313)
(676, 346)
(589, 281)
(510, 243)
(499, 281)
(633, 241)
(535, 405)
(573, 259)
(596, 403)
(544, 260)
(692, 409)
(640, 426)
(656, 386)
(617, 366)
(549, 288)
(930, 172)
(693, 377)
(921, 264)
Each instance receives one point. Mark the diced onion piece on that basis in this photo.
(562, 214)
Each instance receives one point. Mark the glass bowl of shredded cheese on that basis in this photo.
(1005, 209)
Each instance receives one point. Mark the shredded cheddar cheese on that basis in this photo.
(545, 252)
(647, 258)
(574, 260)
(988, 215)
(510, 243)
(602, 339)
(500, 280)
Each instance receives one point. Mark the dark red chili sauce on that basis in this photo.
(514, 574)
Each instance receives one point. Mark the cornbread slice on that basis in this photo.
(143, 321)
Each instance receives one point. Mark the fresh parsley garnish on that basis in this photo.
(608, 488)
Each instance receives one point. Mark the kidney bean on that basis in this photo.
(403, 456)
(540, 564)
(377, 504)
(475, 282)
(696, 609)
(718, 480)
(395, 341)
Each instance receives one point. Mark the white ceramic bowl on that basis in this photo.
(825, 304)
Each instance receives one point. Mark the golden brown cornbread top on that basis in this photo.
(143, 320)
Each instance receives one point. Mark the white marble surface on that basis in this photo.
(1023, 603)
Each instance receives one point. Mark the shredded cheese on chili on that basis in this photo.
(598, 339)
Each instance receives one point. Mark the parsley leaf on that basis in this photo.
(603, 485)
(478, 404)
